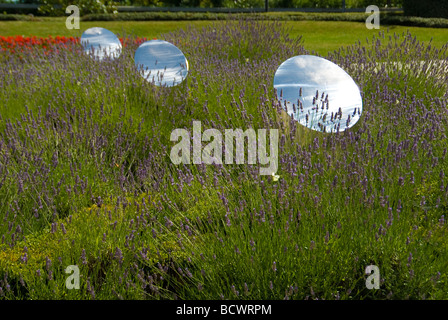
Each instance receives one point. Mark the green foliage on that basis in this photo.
(379, 3)
(272, 3)
(415, 21)
(15, 17)
(386, 18)
(244, 4)
(428, 8)
(57, 7)
(145, 3)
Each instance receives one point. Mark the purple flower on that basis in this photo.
(168, 223)
(252, 244)
(90, 290)
(83, 257)
(119, 255)
(24, 258)
(63, 229)
(235, 292)
(227, 220)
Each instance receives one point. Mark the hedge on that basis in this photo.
(16, 17)
(391, 18)
(288, 16)
(427, 8)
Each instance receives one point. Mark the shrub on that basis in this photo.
(428, 9)
(391, 18)
(246, 4)
(379, 3)
(15, 17)
(57, 7)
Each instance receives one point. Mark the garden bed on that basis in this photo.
(86, 177)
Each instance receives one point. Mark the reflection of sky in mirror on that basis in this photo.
(101, 43)
(161, 62)
(297, 81)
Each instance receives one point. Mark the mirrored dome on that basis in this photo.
(161, 63)
(318, 93)
(101, 43)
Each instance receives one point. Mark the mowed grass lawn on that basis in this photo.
(319, 36)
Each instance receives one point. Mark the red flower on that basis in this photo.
(20, 43)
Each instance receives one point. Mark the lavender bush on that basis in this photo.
(86, 178)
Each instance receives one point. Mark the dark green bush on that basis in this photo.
(57, 7)
(390, 18)
(427, 8)
(379, 3)
(415, 22)
(16, 17)
(272, 3)
(158, 16)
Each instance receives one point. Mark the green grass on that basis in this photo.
(319, 36)
(327, 36)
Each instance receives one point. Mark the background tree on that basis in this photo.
(57, 7)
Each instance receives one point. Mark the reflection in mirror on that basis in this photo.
(161, 63)
(318, 94)
(101, 43)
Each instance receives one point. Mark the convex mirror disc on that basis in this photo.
(318, 93)
(101, 43)
(161, 63)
